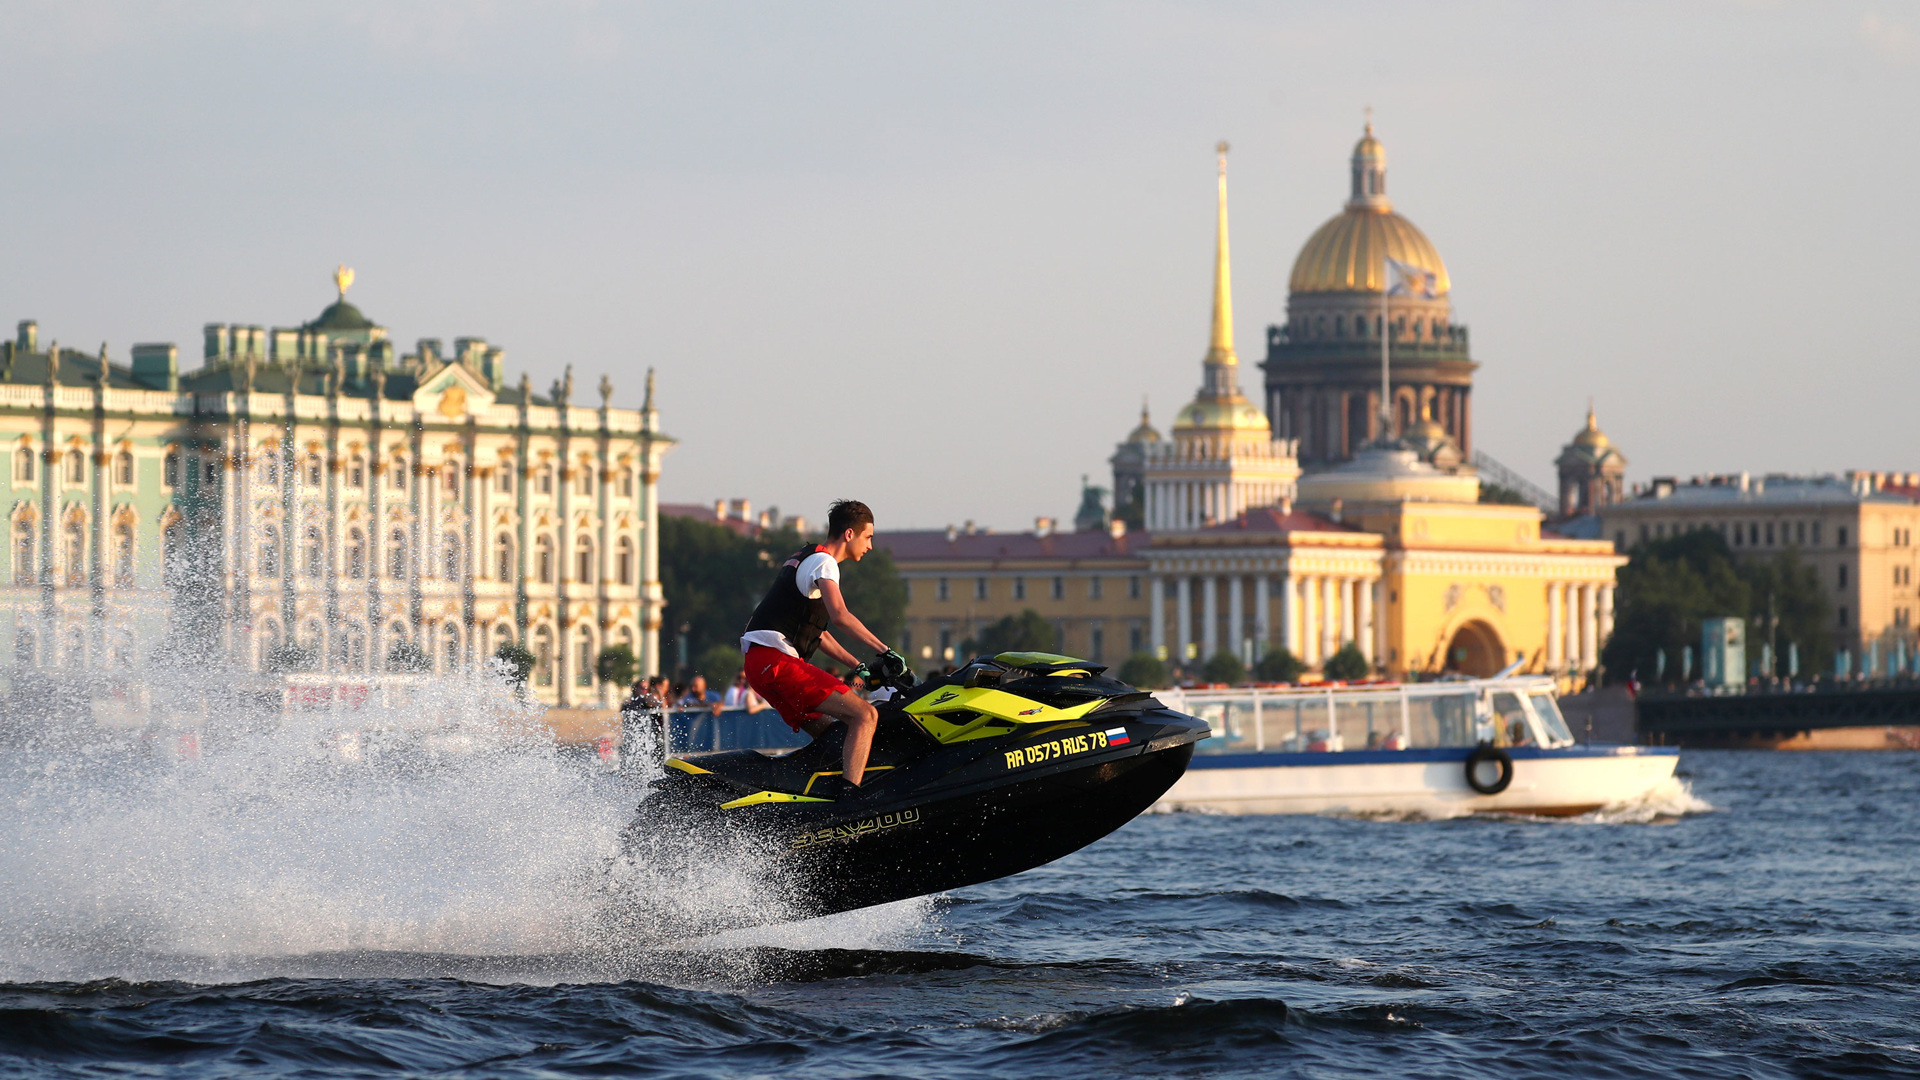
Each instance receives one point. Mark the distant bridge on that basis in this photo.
(1770, 719)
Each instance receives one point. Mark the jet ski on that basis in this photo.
(1005, 764)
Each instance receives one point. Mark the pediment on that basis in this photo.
(453, 393)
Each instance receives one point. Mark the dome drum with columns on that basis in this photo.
(1323, 365)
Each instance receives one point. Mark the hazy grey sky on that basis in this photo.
(932, 256)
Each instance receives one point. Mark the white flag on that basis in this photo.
(1410, 280)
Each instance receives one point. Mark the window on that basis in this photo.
(583, 560)
(310, 552)
(623, 560)
(544, 480)
(503, 556)
(452, 566)
(1059, 589)
(270, 552)
(543, 559)
(1769, 534)
(1843, 617)
(1133, 587)
(123, 554)
(1843, 577)
(23, 568)
(173, 553)
(356, 472)
(449, 647)
(212, 476)
(123, 468)
(1096, 644)
(270, 469)
(450, 476)
(356, 554)
(23, 465)
(1800, 532)
(397, 474)
(583, 479)
(313, 470)
(1019, 588)
(940, 589)
(1136, 639)
(503, 477)
(76, 467)
(76, 553)
(626, 483)
(1816, 532)
(543, 657)
(583, 675)
(397, 553)
(979, 588)
(1093, 588)
(1840, 536)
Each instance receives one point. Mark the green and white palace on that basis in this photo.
(324, 505)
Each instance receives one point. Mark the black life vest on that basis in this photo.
(800, 619)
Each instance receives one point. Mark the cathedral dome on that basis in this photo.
(1346, 253)
(1591, 437)
(1146, 432)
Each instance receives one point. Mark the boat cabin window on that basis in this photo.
(1551, 721)
(1510, 727)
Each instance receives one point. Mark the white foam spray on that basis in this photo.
(469, 835)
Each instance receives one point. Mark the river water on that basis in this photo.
(275, 920)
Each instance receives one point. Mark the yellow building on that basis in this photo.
(1243, 553)
(1856, 532)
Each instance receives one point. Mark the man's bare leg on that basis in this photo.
(862, 719)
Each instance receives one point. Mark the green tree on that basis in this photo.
(720, 663)
(1143, 670)
(289, 656)
(1279, 665)
(1666, 588)
(1789, 607)
(712, 577)
(616, 665)
(1503, 496)
(876, 594)
(1224, 667)
(1025, 632)
(405, 656)
(516, 659)
(1347, 665)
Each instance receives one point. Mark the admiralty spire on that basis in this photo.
(1222, 457)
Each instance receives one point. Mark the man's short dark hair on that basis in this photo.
(847, 514)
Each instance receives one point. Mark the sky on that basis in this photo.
(933, 256)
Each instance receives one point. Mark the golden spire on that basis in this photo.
(343, 280)
(1220, 351)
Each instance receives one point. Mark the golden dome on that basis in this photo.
(1145, 433)
(1591, 435)
(1346, 254)
(1232, 414)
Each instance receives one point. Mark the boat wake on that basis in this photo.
(1669, 800)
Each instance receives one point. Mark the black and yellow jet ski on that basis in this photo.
(1007, 763)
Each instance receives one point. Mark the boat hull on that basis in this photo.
(1427, 783)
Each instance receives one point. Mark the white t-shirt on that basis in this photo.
(813, 569)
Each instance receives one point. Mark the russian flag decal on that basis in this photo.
(1116, 736)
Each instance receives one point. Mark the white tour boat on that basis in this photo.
(1437, 749)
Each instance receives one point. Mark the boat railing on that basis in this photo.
(1333, 717)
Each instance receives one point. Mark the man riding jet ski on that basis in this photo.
(1008, 763)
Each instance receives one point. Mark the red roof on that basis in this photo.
(934, 544)
(699, 512)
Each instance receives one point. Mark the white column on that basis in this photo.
(1349, 611)
(1328, 613)
(1606, 615)
(1382, 653)
(1210, 616)
(1290, 613)
(1556, 626)
(1364, 632)
(1262, 614)
(1309, 634)
(1237, 615)
(1570, 624)
(1183, 616)
(1157, 612)
(1589, 630)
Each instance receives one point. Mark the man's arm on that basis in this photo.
(845, 620)
(832, 648)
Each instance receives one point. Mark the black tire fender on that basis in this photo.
(1483, 753)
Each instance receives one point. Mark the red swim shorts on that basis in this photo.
(792, 686)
